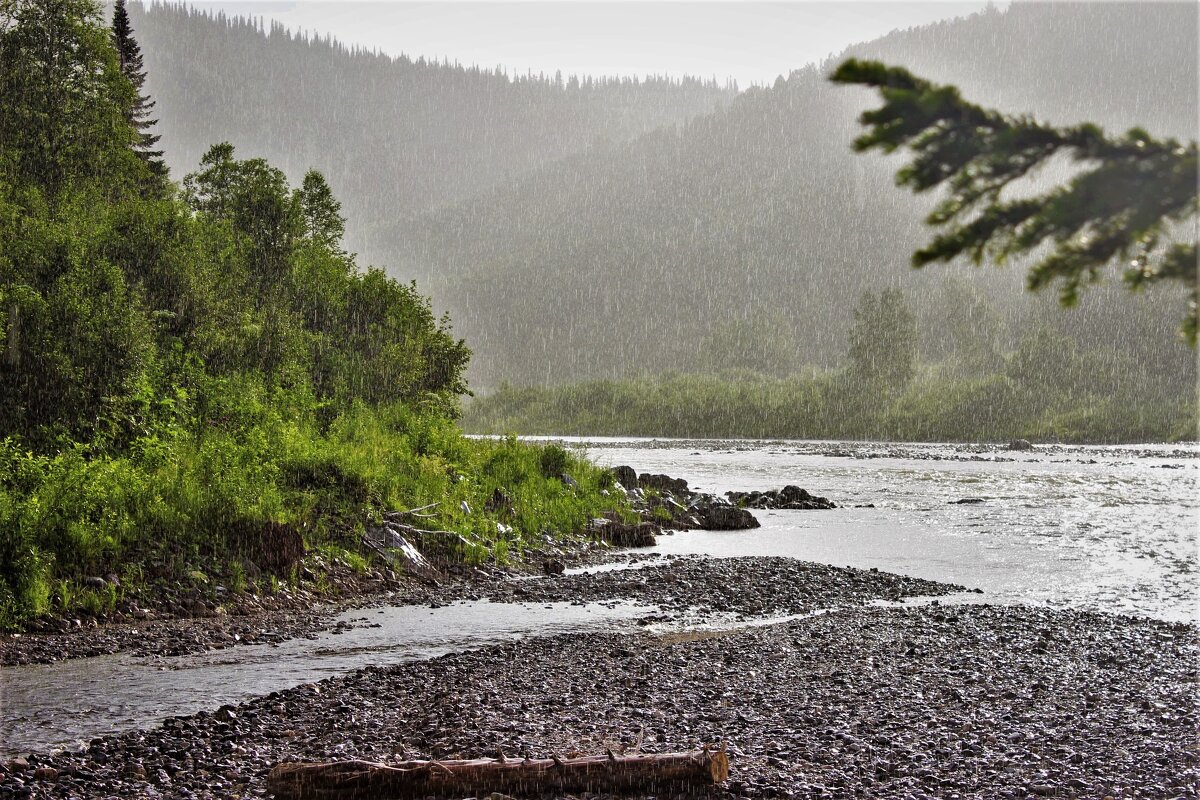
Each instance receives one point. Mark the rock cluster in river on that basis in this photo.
(929, 702)
(668, 502)
(789, 497)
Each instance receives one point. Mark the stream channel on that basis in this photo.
(1109, 529)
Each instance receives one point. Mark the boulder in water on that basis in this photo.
(720, 517)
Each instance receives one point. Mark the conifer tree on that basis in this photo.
(138, 115)
(1133, 204)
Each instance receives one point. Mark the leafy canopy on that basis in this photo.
(1131, 204)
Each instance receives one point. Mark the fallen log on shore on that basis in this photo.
(646, 773)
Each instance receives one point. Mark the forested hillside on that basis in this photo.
(395, 136)
(759, 218)
(610, 227)
(197, 380)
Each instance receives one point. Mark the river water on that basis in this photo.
(1098, 528)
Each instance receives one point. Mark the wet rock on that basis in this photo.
(914, 702)
(663, 483)
(789, 497)
(45, 774)
(393, 544)
(728, 518)
(621, 534)
(626, 476)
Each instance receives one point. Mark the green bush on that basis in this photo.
(1031, 398)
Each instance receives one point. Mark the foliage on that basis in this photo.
(65, 98)
(171, 499)
(1132, 204)
(1050, 388)
(180, 369)
(883, 341)
(627, 254)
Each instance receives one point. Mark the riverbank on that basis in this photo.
(973, 701)
(183, 620)
(934, 407)
(738, 588)
(228, 619)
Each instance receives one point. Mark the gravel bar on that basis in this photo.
(925, 702)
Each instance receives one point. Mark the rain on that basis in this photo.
(583, 400)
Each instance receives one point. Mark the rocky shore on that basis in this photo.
(781, 586)
(181, 621)
(935, 701)
(831, 693)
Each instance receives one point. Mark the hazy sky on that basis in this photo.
(748, 41)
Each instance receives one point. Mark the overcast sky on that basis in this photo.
(750, 42)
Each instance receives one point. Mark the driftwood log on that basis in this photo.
(366, 780)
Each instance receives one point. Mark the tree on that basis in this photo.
(62, 119)
(1131, 202)
(883, 340)
(254, 198)
(129, 56)
(320, 212)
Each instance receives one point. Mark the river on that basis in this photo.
(1109, 529)
(1084, 527)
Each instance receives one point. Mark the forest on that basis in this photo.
(194, 357)
(193, 372)
(1047, 389)
(614, 229)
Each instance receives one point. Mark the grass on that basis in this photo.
(828, 405)
(168, 510)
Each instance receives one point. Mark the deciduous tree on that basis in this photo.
(883, 340)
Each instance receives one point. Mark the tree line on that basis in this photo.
(1044, 387)
(184, 364)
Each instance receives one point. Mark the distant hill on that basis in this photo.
(394, 136)
(621, 259)
(606, 228)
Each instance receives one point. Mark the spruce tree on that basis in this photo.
(1132, 203)
(138, 114)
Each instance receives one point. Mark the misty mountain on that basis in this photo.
(622, 259)
(394, 136)
(602, 228)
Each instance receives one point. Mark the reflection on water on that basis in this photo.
(68, 703)
(1099, 528)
